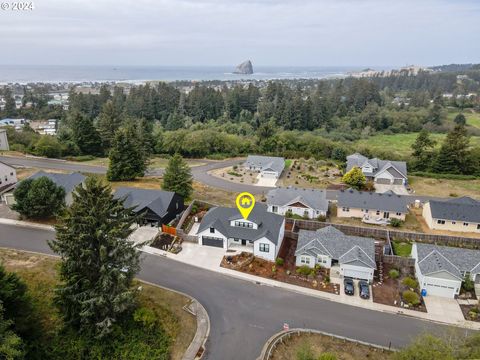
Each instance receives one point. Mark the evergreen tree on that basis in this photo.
(436, 115)
(85, 135)
(109, 122)
(98, 263)
(38, 198)
(127, 155)
(422, 151)
(178, 177)
(11, 345)
(460, 119)
(454, 154)
(10, 106)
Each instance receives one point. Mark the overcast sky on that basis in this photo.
(225, 32)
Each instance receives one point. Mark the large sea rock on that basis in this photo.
(244, 68)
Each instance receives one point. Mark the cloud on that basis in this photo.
(270, 32)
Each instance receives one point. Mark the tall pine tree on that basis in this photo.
(109, 121)
(98, 263)
(422, 151)
(127, 156)
(178, 177)
(454, 154)
(85, 135)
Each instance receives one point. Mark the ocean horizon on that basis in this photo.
(139, 74)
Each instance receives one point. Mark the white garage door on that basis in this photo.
(269, 175)
(356, 274)
(440, 290)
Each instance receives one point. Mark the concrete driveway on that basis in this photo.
(265, 181)
(397, 189)
(444, 308)
(144, 233)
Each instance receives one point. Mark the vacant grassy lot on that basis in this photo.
(445, 187)
(311, 346)
(473, 118)
(401, 143)
(155, 162)
(39, 273)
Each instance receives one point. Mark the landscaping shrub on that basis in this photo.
(322, 218)
(274, 269)
(305, 352)
(394, 222)
(393, 274)
(194, 209)
(327, 356)
(279, 261)
(411, 283)
(304, 270)
(411, 297)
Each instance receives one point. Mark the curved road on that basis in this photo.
(243, 314)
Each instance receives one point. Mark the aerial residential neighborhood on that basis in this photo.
(240, 180)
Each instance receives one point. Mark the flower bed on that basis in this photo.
(471, 312)
(318, 279)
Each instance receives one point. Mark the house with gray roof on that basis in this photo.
(440, 270)
(329, 247)
(458, 214)
(157, 207)
(8, 177)
(268, 166)
(66, 181)
(261, 233)
(370, 205)
(308, 203)
(379, 171)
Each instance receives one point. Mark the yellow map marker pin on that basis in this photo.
(245, 203)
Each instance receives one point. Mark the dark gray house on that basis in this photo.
(157, 206)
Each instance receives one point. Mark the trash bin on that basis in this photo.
(424, 292)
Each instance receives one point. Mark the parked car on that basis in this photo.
(364, 289)
(349, 287)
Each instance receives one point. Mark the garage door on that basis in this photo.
(398, 181)
(440, 290)
(269, 175)
(383, 181)
(212, 241)
(356, 274)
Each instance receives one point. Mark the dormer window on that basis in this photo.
(243, 224)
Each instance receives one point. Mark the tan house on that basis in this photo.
(364, 205)
(459, 214)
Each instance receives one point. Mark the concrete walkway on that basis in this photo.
(209, 258)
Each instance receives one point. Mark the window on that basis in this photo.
(346, 209)
(378, 212)
(478, 226)
(212, 230)
(274, 209)
(177, 205)
(264, 247)
(305, 260)
(399, 214)
(441, 222)
(465, 224)
(454, 222)
(243, 224)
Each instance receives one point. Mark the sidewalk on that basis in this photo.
(209, 259)
(28, 224)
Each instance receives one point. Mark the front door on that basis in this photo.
(244, 242)
(386, 215)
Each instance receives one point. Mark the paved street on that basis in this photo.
(244, 315)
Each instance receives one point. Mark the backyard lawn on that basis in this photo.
(401, 248)
(40, 274)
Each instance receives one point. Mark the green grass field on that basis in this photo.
(401, 143)
(473, 119)
(402, 248)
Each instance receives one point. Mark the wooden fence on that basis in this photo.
(183, 233)
(399, 261)
(384, 234)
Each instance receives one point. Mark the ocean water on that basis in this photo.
(55, 74)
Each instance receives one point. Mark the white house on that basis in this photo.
(262, 233)
(309, 203)
(440, 270)
(379, 171)
(354, 255)
(268, 166)
(8, 177)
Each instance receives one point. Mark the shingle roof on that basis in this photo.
(156, 200)
(67, 181)
(398, 168)
(388, 201)
(316, 199)
(434, 258)
(458, 209)
(332, 242)
(269, 225)
(266, 162)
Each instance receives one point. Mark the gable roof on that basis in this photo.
(269, 225)
(332, 242)
(388, 201)
(435, 258)
(396, 168)
(266, 162)
(8, 166)
(67, 181)
(157, 201)
(315, 199)
(458, 209)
